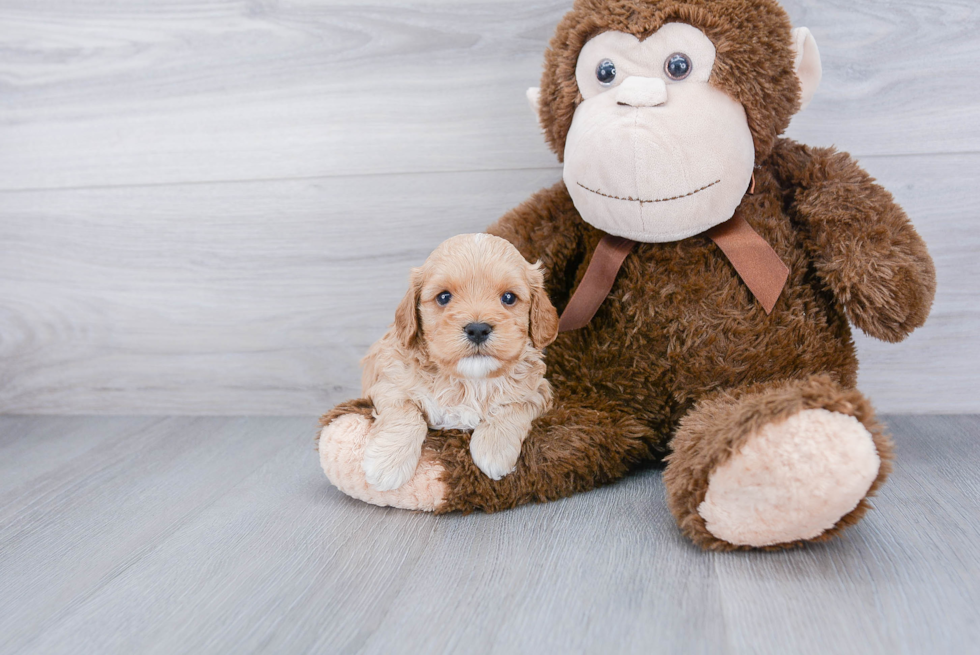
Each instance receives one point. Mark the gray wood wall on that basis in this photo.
(210, 206)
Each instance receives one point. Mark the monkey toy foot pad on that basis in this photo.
(791, 481)
(341, 447)
(776, 464)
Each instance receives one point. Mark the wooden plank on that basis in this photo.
(30, 448)
(100, 94)
(218, 299)
(284, 563)
(879, 94)
(906, 581)
(600, 572)
(261, 298)
(188, 92)
(278, 561)
(75, 527)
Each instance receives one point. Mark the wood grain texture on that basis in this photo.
(99, 93)
(83, 520)
(216, 298)
(211, 206)
(222, 535)
(261, 298)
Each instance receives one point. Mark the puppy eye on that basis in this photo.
(443, 298)
(508, 298)
(605, 72)
(678, 66)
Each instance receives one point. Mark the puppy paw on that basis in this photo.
(389, 459)
(493, 453)
(342, 445)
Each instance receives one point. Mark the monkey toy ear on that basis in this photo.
(809, 70)
(534, 99)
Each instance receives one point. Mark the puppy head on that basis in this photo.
(475, 304)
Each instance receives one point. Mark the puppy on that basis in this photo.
(463, 352)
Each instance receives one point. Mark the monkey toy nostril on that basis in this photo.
(477, 332)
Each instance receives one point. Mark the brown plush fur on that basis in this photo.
(721, 424)
(863, 246)
(681, 354)
(680, 326)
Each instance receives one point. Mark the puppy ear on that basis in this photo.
(407, 322)
(544, 318)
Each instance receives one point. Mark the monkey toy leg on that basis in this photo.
(775, 464)
(341, 443)
(578, 445)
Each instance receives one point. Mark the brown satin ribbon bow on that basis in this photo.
(763, 272)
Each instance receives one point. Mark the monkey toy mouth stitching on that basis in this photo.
(643, 202)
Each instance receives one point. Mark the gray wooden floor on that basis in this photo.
(133, 535)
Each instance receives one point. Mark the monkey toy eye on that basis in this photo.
(605, 72)
(678, 66)
(443, 298)
(508, 298)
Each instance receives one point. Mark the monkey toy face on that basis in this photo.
(654, 152)
(660, 109)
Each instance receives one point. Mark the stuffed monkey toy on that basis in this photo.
(707, 271)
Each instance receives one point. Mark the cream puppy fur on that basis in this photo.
(464, 353)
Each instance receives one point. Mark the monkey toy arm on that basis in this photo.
(547, 227)
(863, 245)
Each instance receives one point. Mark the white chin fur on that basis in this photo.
(477, 366)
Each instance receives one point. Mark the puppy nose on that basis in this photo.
(478, 332)
(642, 92)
